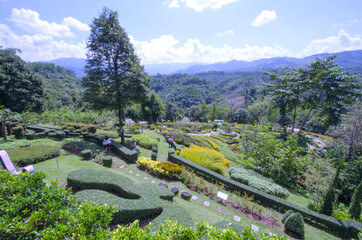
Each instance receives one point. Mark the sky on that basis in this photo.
(184, 31)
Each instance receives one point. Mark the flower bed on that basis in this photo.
(206, 157)
(160, 168)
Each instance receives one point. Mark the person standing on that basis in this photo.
(107, 143)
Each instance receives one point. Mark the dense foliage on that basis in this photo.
(147, 139)
(61, 86)
(30, 209)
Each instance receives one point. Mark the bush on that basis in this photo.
(154, 156)
(295, 223)
(60, 135)
(86, 154)
(31, 209)
(132, 201)
(178, 140)
(30, 136)
(33, 154)
(107, 161)
(18, 132)
(286, 215)
(160, 168)
(207, 158)
(147, 139)
(247, 177)
(186, 144)
(355, 206)
(155, 149)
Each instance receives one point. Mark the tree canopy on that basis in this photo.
(115, 77)
(20, 88)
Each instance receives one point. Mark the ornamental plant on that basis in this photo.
(206, 157)
(147, 139)
(160, 168)
(213, 145)
(218, 138)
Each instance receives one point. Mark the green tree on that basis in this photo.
(355, 206)
(330, 196)
(7, 115)
(152, 108)
(115, 77)
(170, 112)
(328, 88)
(20, 88)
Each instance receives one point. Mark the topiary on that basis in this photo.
(107, 161)
(286, 215)
(295, 223)
(155, 149)
(86, 154)
(154, 156)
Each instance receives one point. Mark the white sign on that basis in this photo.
(222, 195)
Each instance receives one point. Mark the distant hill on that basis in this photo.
(348, 59)
(344, 59)
(74, 64)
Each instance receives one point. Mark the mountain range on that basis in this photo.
(346, 59)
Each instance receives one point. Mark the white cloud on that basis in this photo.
(332, 44)
(40, 47)
(72, 22)
(200, 5)
(227, 32)
(165, 50)
(354, 21)
(264, 17)
(29, 20)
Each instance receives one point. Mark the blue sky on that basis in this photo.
(182, 31)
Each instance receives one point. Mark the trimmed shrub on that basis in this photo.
(132, 201)
(330, 196)
(107, 161)
(178, 140)
(18, 132)
(155, 149)
(154, 156)
(33, 154)
(86, 154)
(295, 223)
(186, 144)
(206, 157)
(217, 137)
(247, 177)
(286, 215)
(30, 136)
(59, 135)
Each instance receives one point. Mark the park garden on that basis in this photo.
(283, 160)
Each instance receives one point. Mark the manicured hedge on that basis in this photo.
(344, 229)
(118, 148)
(246, 177)
(133, 201)
(30, 155)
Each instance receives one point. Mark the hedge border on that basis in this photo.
(119, 149)
(343, 229)
(133, 201)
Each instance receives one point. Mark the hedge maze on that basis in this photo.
(132, 201)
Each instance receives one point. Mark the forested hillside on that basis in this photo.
(61, 86)
(186, 90)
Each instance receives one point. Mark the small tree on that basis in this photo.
(152, 108)
(330, 197)
(355, 206)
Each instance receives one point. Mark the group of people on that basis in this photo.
(107, 144)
